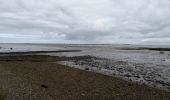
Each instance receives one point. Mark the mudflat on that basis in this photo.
(43, 80)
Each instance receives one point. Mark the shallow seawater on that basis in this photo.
(28, 47)
(102, 51)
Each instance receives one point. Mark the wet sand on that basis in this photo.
(108, 72)
(37, 77)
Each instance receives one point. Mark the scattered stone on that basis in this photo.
(7, 60)
(161, 52)
(86, 68)
(127, 75)
(82, 94)
(163, 60)
(44, 86)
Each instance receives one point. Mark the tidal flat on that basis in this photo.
(86, 72)
(27, 80)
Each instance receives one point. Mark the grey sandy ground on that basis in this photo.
(51, 81)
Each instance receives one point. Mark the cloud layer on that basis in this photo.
(85, 21)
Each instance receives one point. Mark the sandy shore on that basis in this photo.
(36, 77)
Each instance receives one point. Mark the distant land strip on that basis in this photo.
(34, 52)
(143, 48)
(40, 58)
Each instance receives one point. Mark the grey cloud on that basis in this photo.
(87, 20)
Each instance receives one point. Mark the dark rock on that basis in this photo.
(127, 75)
(161, 52)
(86, 68)
(44, 86)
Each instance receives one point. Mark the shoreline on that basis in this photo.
(37, 58)
(80, 62)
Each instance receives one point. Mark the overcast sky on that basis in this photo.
(85, 21)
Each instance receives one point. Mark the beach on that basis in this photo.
(83, 72)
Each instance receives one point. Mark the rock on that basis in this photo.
(86, 68)
(44, 86)
(82, 94)
(161, 52)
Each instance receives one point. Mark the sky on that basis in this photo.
(85, 21)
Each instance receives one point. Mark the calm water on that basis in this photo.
(103, 51)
